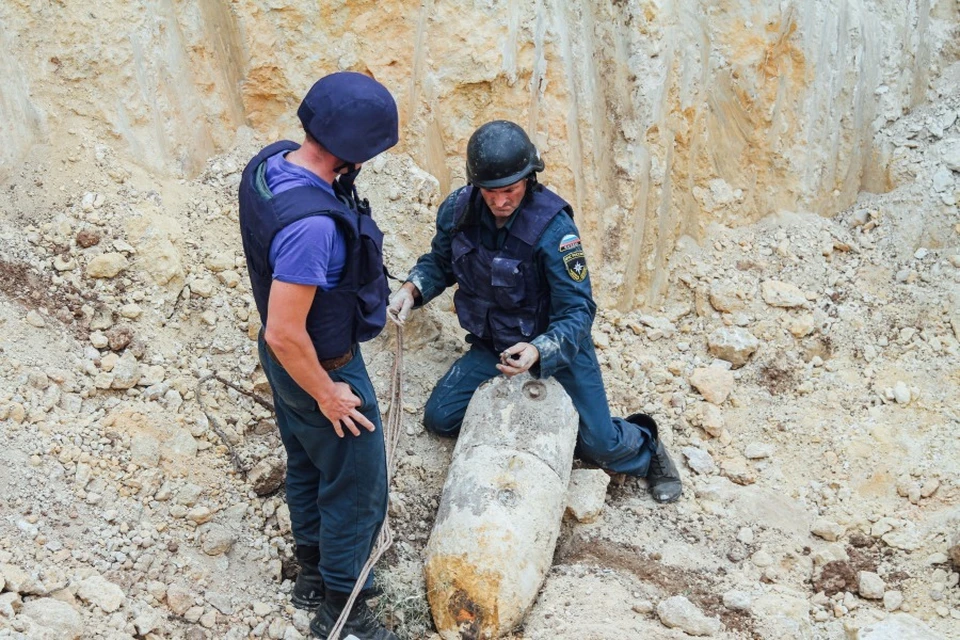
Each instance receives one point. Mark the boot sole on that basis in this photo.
(307, 604)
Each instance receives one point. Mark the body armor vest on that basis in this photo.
(355, 309)
(501, 296)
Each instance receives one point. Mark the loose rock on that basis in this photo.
(681, 613)
(871, 586)
(107, 265)
(101, 592)
(267, 476)
(713, 383)
(733, 344)
(782, 294)
(58, 616)
(586, 493)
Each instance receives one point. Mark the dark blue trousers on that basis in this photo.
(336, 487)
(612, 443)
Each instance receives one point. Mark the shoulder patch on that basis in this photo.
(568, 242)
(576, 264)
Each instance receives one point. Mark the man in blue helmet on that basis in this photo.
(524, 297)
(316, 269)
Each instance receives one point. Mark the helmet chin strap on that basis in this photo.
(350, 167)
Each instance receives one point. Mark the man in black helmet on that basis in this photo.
(314, 259)
(524, 297)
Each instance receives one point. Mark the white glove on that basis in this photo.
(401, 302)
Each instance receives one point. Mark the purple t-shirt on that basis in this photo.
(311, 251)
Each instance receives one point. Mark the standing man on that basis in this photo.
(524, 297)
(314, 257)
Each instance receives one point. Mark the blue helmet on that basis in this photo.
(352, 115)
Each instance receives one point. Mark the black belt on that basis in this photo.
(328, 364)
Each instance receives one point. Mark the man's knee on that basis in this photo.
(442, 423)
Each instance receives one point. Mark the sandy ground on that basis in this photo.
(127, 512)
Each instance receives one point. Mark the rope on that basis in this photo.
(391, 439)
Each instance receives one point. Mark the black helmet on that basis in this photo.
(500, 153)
(352, 115)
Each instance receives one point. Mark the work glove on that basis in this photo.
(401, 302)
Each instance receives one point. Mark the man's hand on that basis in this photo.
(401, 302)
(341, 408)
(518, 358)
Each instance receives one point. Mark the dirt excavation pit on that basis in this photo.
(795, 334)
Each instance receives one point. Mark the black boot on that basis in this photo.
(308, 589)
(663, 479)
(361, 622)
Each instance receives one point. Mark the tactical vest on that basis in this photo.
(501, 296)
(353, 311)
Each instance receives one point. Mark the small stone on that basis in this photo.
(733, 344)
(929, 488)
(901, 392)
(126, 374)
(711, 419)
(209, 317)
(231, 279)
(203, 287)
(830, 553)
(107, 265)
(131, 311)
(209, 619)
(217, 540)
(99, 591)
(200, 515)
(680, 613)
(18, 580)
(802, 325)
(726, 298)
(34, 319)
(586, 493)
(892, 600)
(738, 471)
(699, 460)
(119, 337)
(179, 599)
(643, 607)
(219, 262)
(762, 559)
(267, 476)
(713, 383)
(870, 585)
(10, 604)
(827, 529)
(782, 294)
(144, 450)
(737, 600)
(758, 451)
(99, 340)
(87, 238)
(64, 263)
(147, 620)
(745, 535)
(109, 362)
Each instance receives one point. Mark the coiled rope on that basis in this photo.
(391, 439)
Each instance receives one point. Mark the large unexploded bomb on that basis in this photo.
(503, 501)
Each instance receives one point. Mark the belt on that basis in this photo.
(328, 365)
